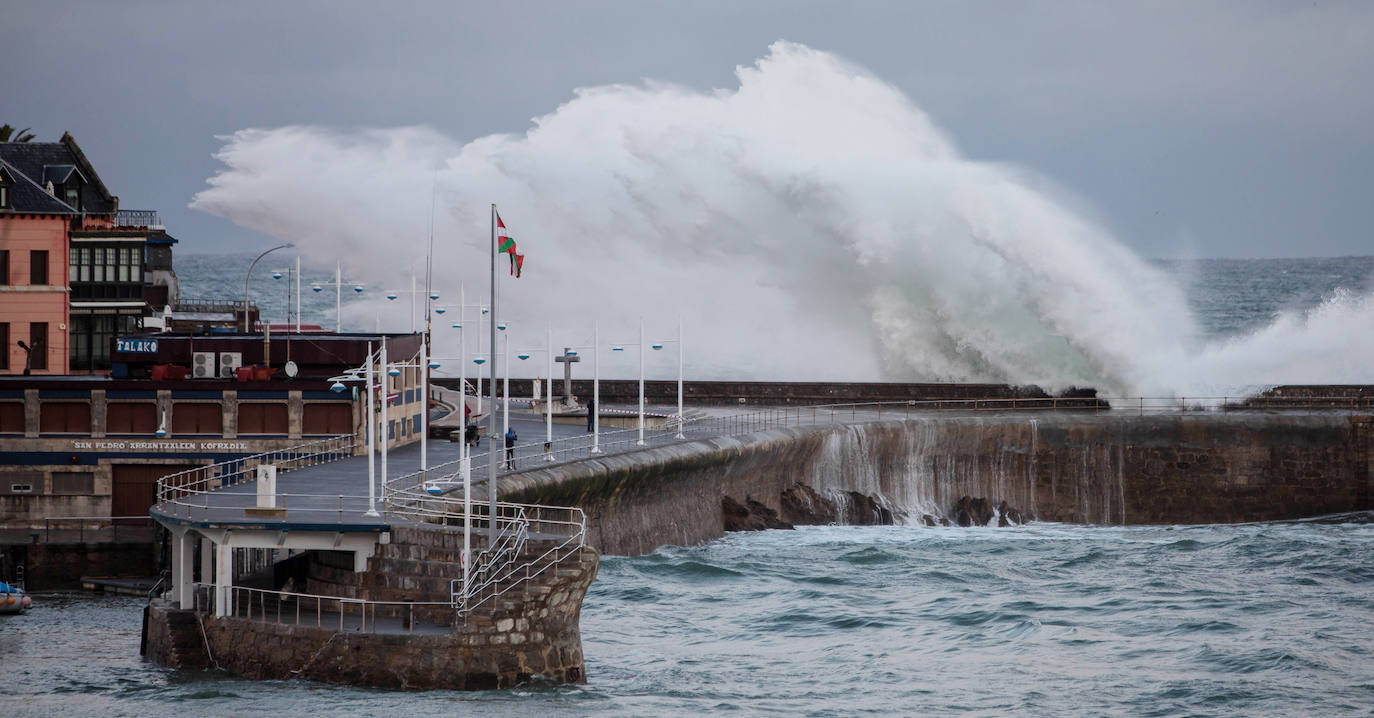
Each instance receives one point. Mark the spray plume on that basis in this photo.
(812, 224)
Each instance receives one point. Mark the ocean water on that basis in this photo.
(1228, 297)
(1260, 619)
(1045, 619)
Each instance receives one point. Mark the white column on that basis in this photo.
(224, 579)
(183, 563)
(463, 373)
(383, 434)
(480, 319)
(298, 294)
(641, 381)
(207, 560)
(371, 424)
(412, 304)
(596, 388)
(424, 407)
(505, 381)
(680, 419)
(548, 392)
(338, 298)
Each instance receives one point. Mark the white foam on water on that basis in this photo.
(810, 224)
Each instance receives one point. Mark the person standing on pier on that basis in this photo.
(591, 414)
(510, 447)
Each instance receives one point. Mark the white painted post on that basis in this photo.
(182, 565)
(596, 388)
(371, 424)
(224, 579)
(298, 293)
(383, 436)
(338, 298)
(548, 404)
(424, 407)
(680, 420)
(641, 381)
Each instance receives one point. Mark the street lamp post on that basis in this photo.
(338, 295)
(249, 277)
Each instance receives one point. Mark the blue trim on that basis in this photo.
(391, 429)
(129, 394)
(92, 458)
(11, 393)
(329, 395)
(198, 394)
(262, 395)
(64, 393)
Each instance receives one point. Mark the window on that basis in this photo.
(79, 483)
(64, 417)
(4, 266)
(4, 345)
(130, 418)
(71, 194)
(262, 418)
(38, 267)
(11, 417)
(4, 195)
(197, 418)
(38, 346)
(327, 419)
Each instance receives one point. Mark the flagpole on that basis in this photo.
(491, 420)
(386, 399)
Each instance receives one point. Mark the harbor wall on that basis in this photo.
(1079, 468)
(530, 631)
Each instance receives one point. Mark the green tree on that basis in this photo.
(9, 134)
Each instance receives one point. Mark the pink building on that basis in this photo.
(34, 314)
(51, 200)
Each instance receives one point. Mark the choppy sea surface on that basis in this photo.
(1045, 619)
(1228, 296)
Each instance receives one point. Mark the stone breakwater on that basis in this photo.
(530, 631)
(1110, 468)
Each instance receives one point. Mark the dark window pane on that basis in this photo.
(38, 345)
(38, 266)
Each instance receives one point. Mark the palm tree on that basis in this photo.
(8, 134)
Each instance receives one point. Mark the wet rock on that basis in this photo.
(972, 512)
(928, 520)
(802, 506)
(864, 510)
(1008, 516)
(749, 516)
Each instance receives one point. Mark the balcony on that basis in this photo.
(146, 218)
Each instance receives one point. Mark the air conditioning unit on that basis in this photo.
(229, 363)
(202, 365)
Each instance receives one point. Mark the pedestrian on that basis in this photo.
(510, 447)
(591, 415)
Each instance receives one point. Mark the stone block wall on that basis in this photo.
(522, 636)
(1104, 469)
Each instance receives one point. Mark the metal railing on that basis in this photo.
(339, 613)
(186, 491)
(95, 528)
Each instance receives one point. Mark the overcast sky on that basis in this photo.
(1190, 129)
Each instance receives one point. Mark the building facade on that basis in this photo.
(75, 270)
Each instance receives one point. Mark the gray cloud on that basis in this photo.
(1225, 129)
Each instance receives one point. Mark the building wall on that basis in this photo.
(21, 303)
(72, 473)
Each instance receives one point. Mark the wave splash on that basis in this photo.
(810, 224)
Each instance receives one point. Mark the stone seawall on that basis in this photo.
(1108, 468)
(532, 630)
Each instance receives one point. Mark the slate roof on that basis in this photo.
(28, 196)
(43, 161)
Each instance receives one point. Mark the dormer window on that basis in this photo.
(71, 194)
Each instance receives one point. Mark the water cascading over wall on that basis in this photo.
(1087, 468)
